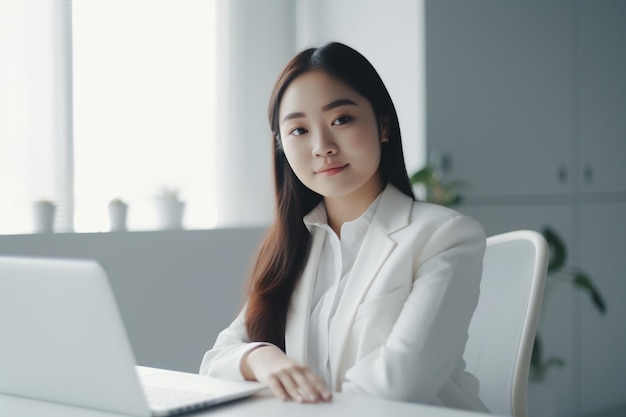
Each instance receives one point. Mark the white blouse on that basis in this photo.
(336, 262)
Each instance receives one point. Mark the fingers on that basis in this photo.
(277, 388)
(293, 389)
(311, 387)
(318, 386)
(299, 384)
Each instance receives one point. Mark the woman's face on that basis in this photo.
(330, 137)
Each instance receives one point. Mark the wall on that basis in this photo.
(257, 38)
(390, 35)
(175, 290)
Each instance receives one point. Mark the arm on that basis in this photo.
(224, 359)
(233, 357)
(428, 338)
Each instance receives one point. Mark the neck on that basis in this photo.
(350, 207)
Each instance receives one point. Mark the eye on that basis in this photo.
(298, 131)
(341, 120)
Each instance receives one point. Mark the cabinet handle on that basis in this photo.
(562, 174)
(446, 162)
(588, 173)
(440, 161)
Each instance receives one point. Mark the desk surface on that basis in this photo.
(261, 405)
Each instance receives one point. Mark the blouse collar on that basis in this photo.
(319, 217)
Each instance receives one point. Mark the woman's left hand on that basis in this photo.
(288, 379)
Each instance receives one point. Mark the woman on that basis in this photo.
(357, 287)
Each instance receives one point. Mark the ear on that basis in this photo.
(383, 129)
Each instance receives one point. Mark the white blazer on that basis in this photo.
(400, 329)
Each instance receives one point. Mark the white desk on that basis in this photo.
(261, 405)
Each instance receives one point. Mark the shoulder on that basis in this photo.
(434, 222)
(439, 233)
(400, 214)
(427, 228)
(429, 213)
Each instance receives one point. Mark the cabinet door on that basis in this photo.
(556, 396)
(499, 99)
(602, 102)
(603, 338)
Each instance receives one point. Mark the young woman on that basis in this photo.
(357, 287)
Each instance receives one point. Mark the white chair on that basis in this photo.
(503, 328)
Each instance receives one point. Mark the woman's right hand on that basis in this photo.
(288, 379)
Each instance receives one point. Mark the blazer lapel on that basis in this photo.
(374, 251)
(297, 329)
(391, 215)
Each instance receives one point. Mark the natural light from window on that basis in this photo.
(144, 77)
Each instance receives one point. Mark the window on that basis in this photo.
(35, 115)
(143, 93)
(106, 99)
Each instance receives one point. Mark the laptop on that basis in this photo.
(62, 339)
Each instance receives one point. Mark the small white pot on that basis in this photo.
(170, 213)
(118, 212)
(43, 218)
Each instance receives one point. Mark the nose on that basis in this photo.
(324, 143)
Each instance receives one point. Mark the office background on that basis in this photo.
(524, 101)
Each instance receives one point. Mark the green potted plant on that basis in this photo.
(431, 187)
(447, 193)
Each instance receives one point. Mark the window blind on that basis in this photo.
(35, 111)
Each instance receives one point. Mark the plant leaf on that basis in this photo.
(558, 253)
(539, 366)
(456, 200)
(437, 191)
(423, 176)
(553, 361)
(583, 281)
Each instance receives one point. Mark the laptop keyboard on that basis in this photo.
(169, 397)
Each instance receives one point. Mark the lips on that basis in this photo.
(331, 169)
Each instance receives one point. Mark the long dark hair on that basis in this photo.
(283, 253)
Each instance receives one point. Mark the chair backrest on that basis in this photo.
(503, 328)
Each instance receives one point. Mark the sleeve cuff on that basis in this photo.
(228, 366)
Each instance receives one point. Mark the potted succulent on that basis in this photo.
(118, 213)
(43, 216)
(170, 209)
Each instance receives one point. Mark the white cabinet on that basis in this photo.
(602, 95)
(602, 238)
(499, 94)
(528, 98)
(526, 101)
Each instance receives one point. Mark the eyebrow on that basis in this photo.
(337, 103)
(329, 106)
